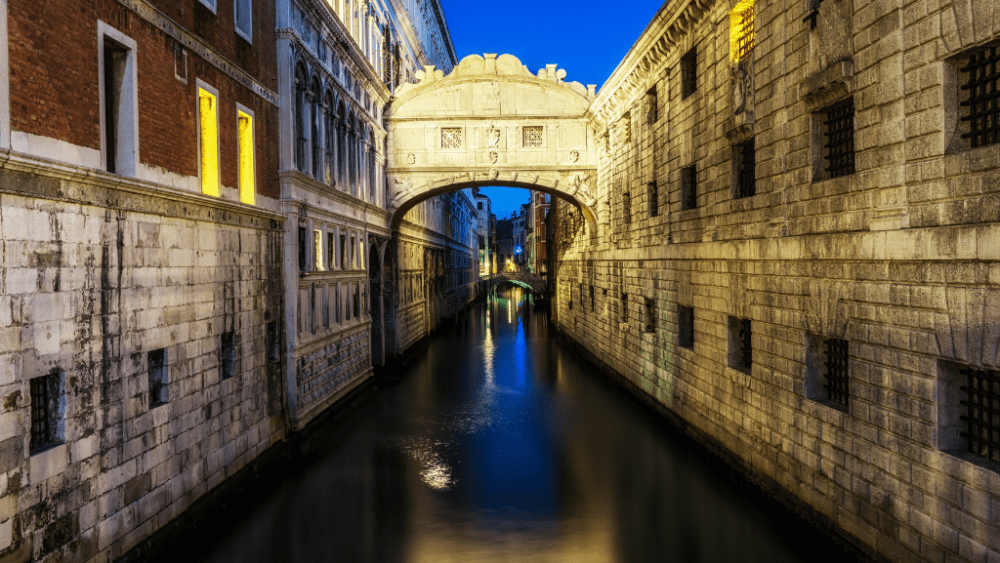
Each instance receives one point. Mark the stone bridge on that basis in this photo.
(491, 122)
(531, 282)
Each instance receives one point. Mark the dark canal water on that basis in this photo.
(499, 445)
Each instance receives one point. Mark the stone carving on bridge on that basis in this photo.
(517, 128)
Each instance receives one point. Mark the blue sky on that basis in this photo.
(587, 38)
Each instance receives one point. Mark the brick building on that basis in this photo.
(796, 253)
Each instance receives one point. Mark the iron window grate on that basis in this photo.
(837, 370)
(41, 430)
(745, 339)
(747, 170)
(689, 188)
(531, 136)
(982, 418)
(745, 32)
(654, 200)
(451, 138)
(982, 108)
(839, 125)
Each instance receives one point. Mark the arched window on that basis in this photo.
(316, 127)
(301, 117)
(330, 132)
(342, 146)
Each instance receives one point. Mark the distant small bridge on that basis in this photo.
(531, 282)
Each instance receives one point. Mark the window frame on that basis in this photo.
(199, 86)
(158, 380)
(242, 110)
(212, 5)
(689, 73)
(127, 135)
(4, 79)
(245, 34)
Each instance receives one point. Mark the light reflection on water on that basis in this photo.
(498, 446)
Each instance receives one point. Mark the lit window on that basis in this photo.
(208, 125)
(741, 34)
(318, 253)
(248, 183)
(244, 19)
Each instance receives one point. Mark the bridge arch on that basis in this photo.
(491, 122)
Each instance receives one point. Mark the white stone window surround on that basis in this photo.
(127, 152)
(210, 4)
(199, 83)
(244, 7)
(4, 80)
(240, 108)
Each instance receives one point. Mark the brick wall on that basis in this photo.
(899, 259)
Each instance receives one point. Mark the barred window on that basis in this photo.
(227, 355)
(627, 208)
(654, 200)
(451, 138)
(982, 412)
(689, 73)
(685, 326)
(47, 405)
(156, 369)
(532, 136)
(650, 315)
(838, 128)
(741, 33)
(745, 155)
(980, 107)
(652, 106)
(689, 188)
(741, 344)
(837, 370)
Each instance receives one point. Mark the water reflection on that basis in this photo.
(499, 446)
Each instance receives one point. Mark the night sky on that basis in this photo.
(586, 38)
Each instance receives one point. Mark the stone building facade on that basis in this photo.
(796, 254)
(141, 256)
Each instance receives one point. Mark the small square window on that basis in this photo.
(451, 138)
(969, 410)
(227, 355)
(689, 188)
(741, 344)
(157, 371)
(48, 407)
(685, 326)
(532, 136)
(689, 73)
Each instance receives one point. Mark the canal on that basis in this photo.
(497, 444)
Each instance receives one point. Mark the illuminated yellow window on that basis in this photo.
(741, 34)
(248, 178)
(209, 139)
(318, 255)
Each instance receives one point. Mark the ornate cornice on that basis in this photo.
(672, 24)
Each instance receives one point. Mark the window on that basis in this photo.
(156, 370)
(980, 96)
(654, 199)
(650, 315)
(838, 139)
(689, 188)
(180, 63)
(318, 250)
(837, 370)
(627, 208)
(227, 355)
(740, 344)
(119, 109)
(302, 249)
(969, 410)
(343, 252)
(591, 298)
(689, 73)
(624, 315)
(331, 251)
(243, 18)
(4, 80)
(248, 172)
(685, 326)
(451, 138)
(741, 33)
(210, 4)
(745, 157)
(357, 300)
(208, 139)
(531, 136)
(48, 406)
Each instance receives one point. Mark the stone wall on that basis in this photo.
(899, 259)
(99, 296)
